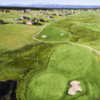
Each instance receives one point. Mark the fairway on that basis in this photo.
(82, 28)
(45, 50)
(16, 36)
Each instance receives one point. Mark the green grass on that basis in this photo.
(17, 63)
(66, 63)
(14, 41)
(14, 36)
(81, 28)
(44, 70)
(9, 15)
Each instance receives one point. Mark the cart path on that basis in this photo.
(68, 42)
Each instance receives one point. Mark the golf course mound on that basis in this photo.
(65, 63)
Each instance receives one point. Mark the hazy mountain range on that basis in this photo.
(50, 6)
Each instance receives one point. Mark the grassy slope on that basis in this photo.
(53, 83)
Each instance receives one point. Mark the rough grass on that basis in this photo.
(14, 64)
(14, 41)
(14, 36)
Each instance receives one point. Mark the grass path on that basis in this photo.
(90, 48)
(42, 28)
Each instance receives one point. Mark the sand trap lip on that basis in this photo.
(75, 87)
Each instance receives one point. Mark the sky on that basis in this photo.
(65, 2)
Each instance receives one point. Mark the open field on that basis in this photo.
(45, 50)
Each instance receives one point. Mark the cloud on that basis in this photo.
(64, 2)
